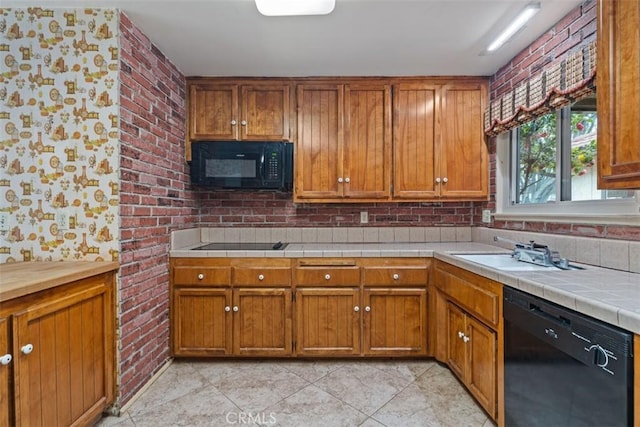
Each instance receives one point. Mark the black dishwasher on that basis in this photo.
(563, 368)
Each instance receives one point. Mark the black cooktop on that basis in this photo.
(241, 247)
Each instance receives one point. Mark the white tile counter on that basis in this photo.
(609, 295)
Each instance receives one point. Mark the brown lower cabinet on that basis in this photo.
(62, 344)
(469, 332)
(308, 307)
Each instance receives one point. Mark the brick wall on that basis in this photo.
(274, 209)
(155, 199)
(576, 29)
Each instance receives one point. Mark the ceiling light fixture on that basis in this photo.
(295, 7)
(515, 26)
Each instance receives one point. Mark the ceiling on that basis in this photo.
(359, 38)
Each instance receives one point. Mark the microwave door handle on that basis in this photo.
(261, 169)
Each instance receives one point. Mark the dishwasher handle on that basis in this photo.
(556, 318)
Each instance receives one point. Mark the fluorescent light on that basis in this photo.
(295, 7)
(515, 26)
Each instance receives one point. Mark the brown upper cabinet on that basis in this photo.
(344, 142)
(439, 147)
(618, 82)
(237, 111)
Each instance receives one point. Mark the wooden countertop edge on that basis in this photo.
(24, 278)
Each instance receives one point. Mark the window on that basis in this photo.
(553, 158)
(547, 170)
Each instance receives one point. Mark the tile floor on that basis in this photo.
(371, 393)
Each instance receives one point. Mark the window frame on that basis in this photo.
(612, 211)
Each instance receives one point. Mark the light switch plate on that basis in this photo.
(63, 221)
(486, 216)
(364, 217)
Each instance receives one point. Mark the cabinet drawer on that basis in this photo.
(328, 276)
(479, 296)
(261, 276)
(395, 275)
(205, 276)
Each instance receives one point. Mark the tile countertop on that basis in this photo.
(609, 295)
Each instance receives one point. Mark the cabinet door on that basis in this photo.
(319, 169)
(367, 151)
(456, 329)
(5, 374)
(265, 112)
(62, 378)
(328, 321)
(462, 151)
(395, 321)
(415, 134)
(262, 322)
(481, 379)
(213, 111)
(618, 82)
(202, 321)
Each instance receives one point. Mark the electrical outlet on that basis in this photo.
(364, 217)
(4, 221)
(486, 216)
(63, 221)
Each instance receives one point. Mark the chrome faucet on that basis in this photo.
(535, 253)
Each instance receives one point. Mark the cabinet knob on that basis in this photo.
(233, 122)
(356, 308)
(367, 309)
(260, 277)
(340, 180)
(460, 334)
(200, 276)
(235, 309)
(327, 276)
(396, 276)
(347, 180)
(445, 179)
(6, 359)
(465, 338)
(227, 309)
(26, 349)
(438, 180)
(243, 123)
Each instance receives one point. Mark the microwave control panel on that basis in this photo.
(272, 166)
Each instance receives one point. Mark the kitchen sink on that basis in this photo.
(505, 262)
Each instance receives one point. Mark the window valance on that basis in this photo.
(557, 86)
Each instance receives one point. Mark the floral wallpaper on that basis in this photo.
(59, 134)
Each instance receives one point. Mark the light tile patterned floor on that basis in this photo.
(369, 393)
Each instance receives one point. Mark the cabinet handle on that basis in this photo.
(347, 180)
(200, 276)
(438, 180)
(260, 277)
(26, 349)
(465, 338)
(327, 276)
(227, 309)
(235, 309)
(6, 359)
(460, 334)
(367, 309)
(243, 123)
(233, 122)
(396, 276)
(445, 179)
(356, 308)
(340, 179)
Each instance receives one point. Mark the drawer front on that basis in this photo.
(261, 276)
(327, 276)
(481, 302)
(395, 275)
(202, 276)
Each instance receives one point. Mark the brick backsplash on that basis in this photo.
(155, 199)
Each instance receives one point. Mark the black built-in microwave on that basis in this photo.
(242, 164)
